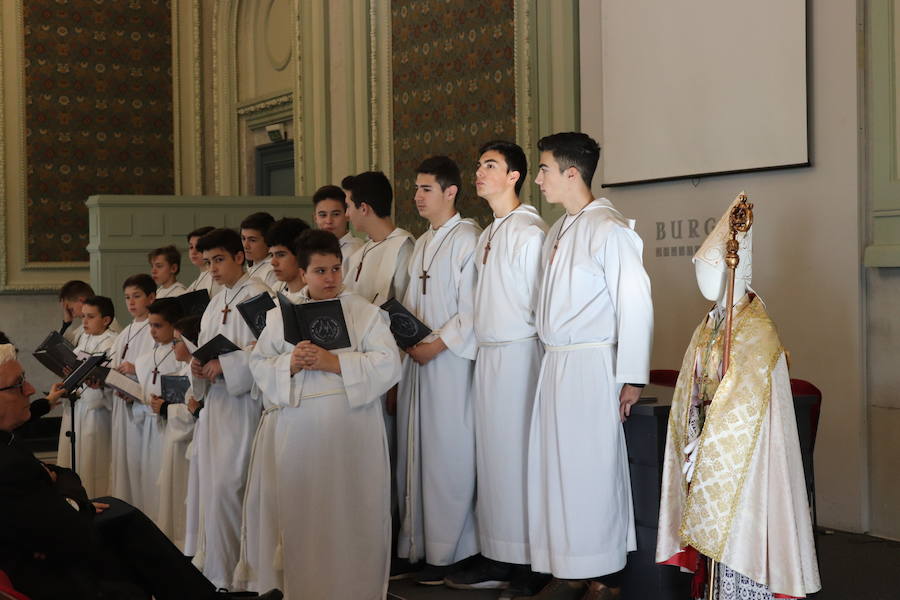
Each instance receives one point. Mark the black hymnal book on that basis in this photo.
(407, 329)
(174, 388)
(322, 323)
(214, 348)
(90, 367)
(194, 303)
(57, 354)
(254, 312)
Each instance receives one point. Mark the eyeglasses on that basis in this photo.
(20, 383)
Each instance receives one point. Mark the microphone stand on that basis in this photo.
(72, 397)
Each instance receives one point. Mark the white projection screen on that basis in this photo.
(699, 87)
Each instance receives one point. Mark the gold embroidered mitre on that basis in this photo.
(712, 251)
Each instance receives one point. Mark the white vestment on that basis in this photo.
(260, 567)
(595, 317)
(92, 425)
(160, 358)
(262, 270)
(331, 458)
(435, 429)
(127, 427)
(173, 291)
(506, 372)
(223, 435)
(204, 281)
(349, 245)
(173, 467)
(377, 271)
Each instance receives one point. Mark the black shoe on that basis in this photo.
(433, 574)
(401, 568)
(481, 574)
(525, 582)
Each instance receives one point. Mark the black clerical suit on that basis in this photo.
(53, 545)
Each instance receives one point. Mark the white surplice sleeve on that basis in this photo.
(458, 332)
(528, 258)
(374, 367)
(236, 371)
(270, 365)
(629, 292)
(401, 270)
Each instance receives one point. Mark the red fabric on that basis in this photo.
(6, 588)
(664, 377)
(695, 562)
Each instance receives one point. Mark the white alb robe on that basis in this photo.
(506, 372)
(92, 425)
(384, 273)
(204, 281)
(260, 567)
(223, 435)
(174, 465)
(154, 426)
(595, 318)
(435, 429)
(262, 270)
(127, 428)
(331, 458)
(173, 291)
(349, 245)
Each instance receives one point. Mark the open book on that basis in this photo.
(125, 385)
(57, 354)
(90, 367)
(407, 329)
(322, 323)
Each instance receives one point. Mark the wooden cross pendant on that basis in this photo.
(487, 248)
(424, 277)
(155, 373)
(553, 252)
(225, 312)
(125, 351)
(358, 270)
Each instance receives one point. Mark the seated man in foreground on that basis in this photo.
(56, 543)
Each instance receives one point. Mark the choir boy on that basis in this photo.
(92, 414)
(228, 421)
(165, 264)
(256, 252)
(159, 360)
(204, 280)
(127, 418)
(436, 449)
(508, 261)
(331, 470)
(595, 317)
(71, 297)
(330, 210)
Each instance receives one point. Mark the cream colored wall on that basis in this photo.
(807, 252)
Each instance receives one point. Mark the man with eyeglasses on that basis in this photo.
(57, 543)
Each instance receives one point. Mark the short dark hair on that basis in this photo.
(170, 253)
(189, 327)
(316, 241)
(260, 221)
(107, 309)
(573, 149)
(346, 182)
(169, 309)
(75, 290)
(199, 232)
(514, 157)
(4, 339)
(374, 189)
(284, 232)
(445, 171)
(142, 281)
(329, 192)
(228, 240)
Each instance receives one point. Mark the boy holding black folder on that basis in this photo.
(228, 422)
(331, 431)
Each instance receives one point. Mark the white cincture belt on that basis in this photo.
(493, 344)
(583, 346)
(321, 394)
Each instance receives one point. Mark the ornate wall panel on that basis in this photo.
(98, 94)
(454, 88)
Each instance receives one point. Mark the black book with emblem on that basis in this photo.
(57, 354)
(194, 303)
(174, 388)
(322, 323)
(254, 312)
(407, 329)
(214, 348)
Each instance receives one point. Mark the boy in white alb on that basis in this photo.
(436, 435)
(204, 280)
(165, 264)
(128, 417)
(150, 367)
(92, 410)
(256, 252)
(330, 212)
(258, 568)
(331, 463)
(227, 424)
